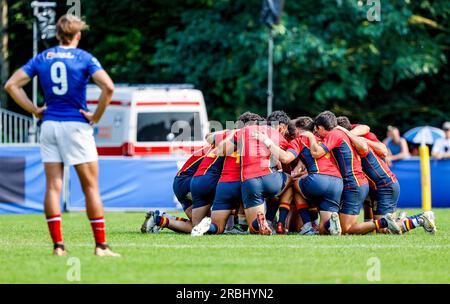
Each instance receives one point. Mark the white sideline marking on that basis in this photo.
(246, 246)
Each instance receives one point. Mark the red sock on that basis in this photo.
(99, 230)
(163, 222)
(54, 226)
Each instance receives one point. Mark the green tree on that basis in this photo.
(327, 54)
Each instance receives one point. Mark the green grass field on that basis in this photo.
(171, 258)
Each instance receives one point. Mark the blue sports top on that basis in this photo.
(63, 74)
(395, 148)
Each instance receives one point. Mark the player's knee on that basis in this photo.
(54, 185)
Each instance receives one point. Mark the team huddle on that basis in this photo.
(277, 175)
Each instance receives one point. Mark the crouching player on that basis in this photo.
(228, 192)
(348, 159)
(259, 173)
(323, 183)
(386, 188)
(155, 221)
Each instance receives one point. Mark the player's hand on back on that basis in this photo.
(39, 112)
(89, 116)
(259, 136)
(307, 134)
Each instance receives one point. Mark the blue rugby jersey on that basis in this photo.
(63, 74)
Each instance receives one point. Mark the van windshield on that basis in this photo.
(169, 126)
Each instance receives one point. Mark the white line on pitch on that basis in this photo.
(244, 246)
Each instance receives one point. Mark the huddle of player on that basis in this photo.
(316, 174)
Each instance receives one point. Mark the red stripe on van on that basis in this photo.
(131, 150)
(112, 103)
(169, 103)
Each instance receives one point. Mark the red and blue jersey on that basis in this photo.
(300, 147)
(212, 163)
(256, 158)
(191, 165)
(347, 159)
(64, 73)
(377, 170)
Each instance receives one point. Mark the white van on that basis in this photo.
(147, 120)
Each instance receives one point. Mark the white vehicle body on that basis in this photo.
(147, 120)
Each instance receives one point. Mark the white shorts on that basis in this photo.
(71, 143)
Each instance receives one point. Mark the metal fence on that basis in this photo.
(16, 129)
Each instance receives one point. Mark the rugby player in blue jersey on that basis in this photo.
(67, 134)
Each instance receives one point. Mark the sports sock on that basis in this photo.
(99, 230)
(327, 225)
(54, 227)
(304, 215)
(243, 222)
(412, 222)
(284, 211)
(213, 229)
(255, 225)
(272, 208)
(314, 214)
(162, 221)
(381, 223)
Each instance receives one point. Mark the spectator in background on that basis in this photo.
(441, 148)
(397, 145)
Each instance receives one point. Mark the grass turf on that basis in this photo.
(25, 257)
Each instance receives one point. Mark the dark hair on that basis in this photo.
(250, 118)
(327, 120)
(278, 117)
(344, 122)
(292, 131)
(304, 123)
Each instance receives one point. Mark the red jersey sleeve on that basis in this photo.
(332, 140)
(295, 147)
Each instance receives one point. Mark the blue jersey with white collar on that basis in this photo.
(63, 74)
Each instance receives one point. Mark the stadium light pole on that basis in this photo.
(270, 16)
(270, 75)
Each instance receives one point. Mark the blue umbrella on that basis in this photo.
(424, 135)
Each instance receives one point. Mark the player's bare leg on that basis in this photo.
(199, 213)
(258, 223)
(52, 208)
(350, 225)
(88, 174)
(156, 220)
(215, 225)
(181, 225)
(219, 218)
